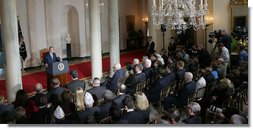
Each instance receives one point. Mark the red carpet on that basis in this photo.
(83, 68)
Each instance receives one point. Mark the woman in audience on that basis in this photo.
(20, 115)
(142, 105)
(193, 110)
(222, 92)
(23, 101)
(67, 104)
(155, 118)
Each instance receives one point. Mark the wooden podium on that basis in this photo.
(58, 70)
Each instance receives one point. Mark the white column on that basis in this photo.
(152, 29)
(12, 61)
(95, 33)
(114, 33)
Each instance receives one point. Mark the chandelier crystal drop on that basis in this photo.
(179, 14)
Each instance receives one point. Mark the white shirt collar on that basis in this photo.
(130, 110)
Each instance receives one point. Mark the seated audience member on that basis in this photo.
(116, 116)
(174, 116)
(75, 82)
(238, 119)
(104, 108)
(183, 93)
(203, 57)
(136, 61)
(20, 115)
(119, 74)
(185, 55)
(39, 91)
(142, 105)
(180, 70)
(208, 75)
(193, 111)
(117, 102)
(154, 92)
(7, 117)
(201, 82)
(53, 102)
(43, 116)
(5, 106)
(79, 96)
(89, 109)
(67, 104)
(138, 77)
(155, 118)
(222, 92)
(59, 116)
(243, 55)
(193, 65)
(148, 70)
(97, 89)
(23, 101)
(55, 88)
(132, 116)
(220, 67)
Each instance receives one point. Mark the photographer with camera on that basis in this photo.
(226, 40)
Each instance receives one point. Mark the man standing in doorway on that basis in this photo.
(151, 46)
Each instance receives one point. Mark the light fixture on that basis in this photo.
(179, 14)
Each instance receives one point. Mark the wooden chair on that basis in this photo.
(101, 101)
(43, 53)
(191, 98)
(173, 86)
(209, 88)
(199, 94)
(164, 93)
(140, 86)
(106, 120)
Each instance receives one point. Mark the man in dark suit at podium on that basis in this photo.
(50, 58)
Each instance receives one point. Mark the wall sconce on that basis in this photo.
(209, 20)
(145, 20)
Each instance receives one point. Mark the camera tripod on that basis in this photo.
(213, 51)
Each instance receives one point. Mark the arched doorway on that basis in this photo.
(73, 30)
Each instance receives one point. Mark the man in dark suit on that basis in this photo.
(183, 93)
(40, 116)
(153, 94)
(180, 70)
(132, 116)
(55, 88)
(75, 82)
(203, 57)
(4, 106)
(97, 89)
(138, 78)
(115, 80)
(117, 102)
(151, 46)
(50, 58)
(39, 92)
(148, 70)
(105, 108)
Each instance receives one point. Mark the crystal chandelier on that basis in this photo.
(179, 14)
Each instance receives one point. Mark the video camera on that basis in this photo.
(214, 35)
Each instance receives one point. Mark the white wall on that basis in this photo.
(221, 15)
(22, 14)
